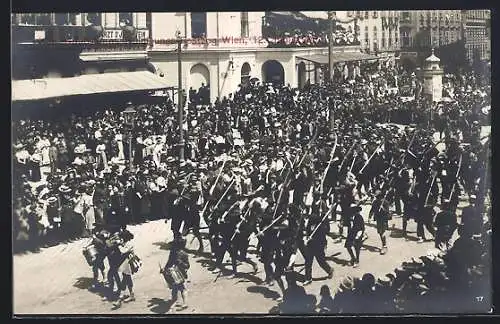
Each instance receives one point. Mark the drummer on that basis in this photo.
(125, 249)
(99, 236)
(179, 260)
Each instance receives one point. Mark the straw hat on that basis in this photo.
(64, 189)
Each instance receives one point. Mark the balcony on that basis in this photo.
(91, 39)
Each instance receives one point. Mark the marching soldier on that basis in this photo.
(472, 221)
(230, 215)
(355, 234)
(193, 208)
(268, 239)
(241, 236)
(445, 223)
(317, 229)
(425, 220)
(380, 212)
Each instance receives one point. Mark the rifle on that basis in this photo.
(373, 154)
(352, 164)
(318, 226)
(281, 192)
(222, 197)
(430, 188)
(385, 195)
(332, 154)
(217, 179)
(176, 201)
(270, 225)
(242, 220)
(456, 177)
(346, 155)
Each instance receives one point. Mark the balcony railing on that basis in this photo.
(99, 36)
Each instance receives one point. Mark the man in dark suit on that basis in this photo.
(355, 234)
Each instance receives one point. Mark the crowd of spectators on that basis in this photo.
(298, 38)
(83, 158)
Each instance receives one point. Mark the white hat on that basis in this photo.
(80, 149)
(161, 182)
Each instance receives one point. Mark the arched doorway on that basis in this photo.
(199, 75)
(245, 74)
(302, 75)
(272, 71)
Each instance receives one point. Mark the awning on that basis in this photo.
(26, 90)
(339, 57)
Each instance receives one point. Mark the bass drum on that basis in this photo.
(90, 253)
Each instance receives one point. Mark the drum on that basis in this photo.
(135, 262)
(90, 253)
(173, 276)
(113, 240)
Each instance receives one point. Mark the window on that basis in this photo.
(244, 24)
(383, 40)
(27, 19)
(367, 14)
(125, 19)
(375, 14)
(390, 40)
(405, 15)
(64, 19)
(198, 24)
(35, 19)
(94, 18)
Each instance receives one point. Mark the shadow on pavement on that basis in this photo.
(83, 283)
(197, 253)
(163, 245)
(320, 278)
(266, 292)
(338, 261)
(249, 278)
(160, 306)
(371, 248)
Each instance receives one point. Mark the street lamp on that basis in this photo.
(129, 115)
(179, 95)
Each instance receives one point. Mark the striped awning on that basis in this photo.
(28, 90)
(338, 57)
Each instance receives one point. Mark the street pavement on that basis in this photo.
(56, 279)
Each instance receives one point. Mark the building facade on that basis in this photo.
(223, 50)
(49, 45)
(378, 30)
(477, 29)
(430, 28)
(423, 30)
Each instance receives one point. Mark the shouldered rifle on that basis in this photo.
(320, 223)
(368, 161)
(346, 155)
(242, 219)
(222, 197)
(456, 177)
(218, 176)
(332, 154)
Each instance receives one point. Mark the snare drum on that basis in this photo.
(90, 253)
(172, 276)
(135, 262)
(177, 276)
